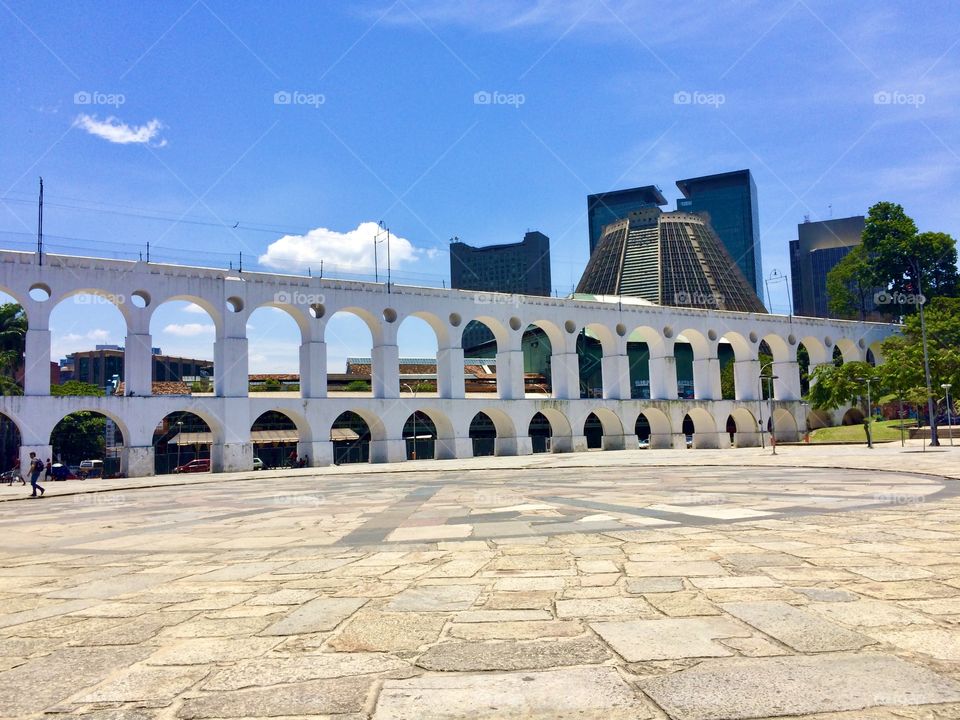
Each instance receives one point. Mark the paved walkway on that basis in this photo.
(823, 582)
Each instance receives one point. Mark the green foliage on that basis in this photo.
(76, 387)
(357, 386)
(13, 330)
(903, 260)
(202, 386)
(835, 386)
(79, 436)
(850, 285)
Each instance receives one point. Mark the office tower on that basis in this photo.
(607, 207)
(729, 202)
(819, 247)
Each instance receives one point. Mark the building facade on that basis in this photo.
(729, 203)
(608, 207)
(102, 365)
(819, 247)
(671, 258)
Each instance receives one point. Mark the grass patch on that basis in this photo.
(883, 431)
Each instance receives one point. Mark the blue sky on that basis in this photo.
(139, 115)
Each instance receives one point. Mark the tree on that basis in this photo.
(76, 387)
(835, 386)
(905, 261)
(13, 332)
(80, 435)
(850, 285)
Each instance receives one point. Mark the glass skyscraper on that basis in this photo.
(819, 247)
(607, 207)
(729, 202)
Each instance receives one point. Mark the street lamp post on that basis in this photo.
(769, 379)
(407, 386)
(921, 301)
(869, 420)
(946, 387)
(179, 439)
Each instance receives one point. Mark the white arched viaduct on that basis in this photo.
(138, 288)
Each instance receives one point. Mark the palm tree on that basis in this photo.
(13, 331)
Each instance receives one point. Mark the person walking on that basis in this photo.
(47, 470)
(36, 467)
(17, 475)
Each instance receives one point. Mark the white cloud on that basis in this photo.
(115, 131)
(194, 309)
(188, 329)
(72, 342)
(349, 251)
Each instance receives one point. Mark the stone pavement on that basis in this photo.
(636, 584)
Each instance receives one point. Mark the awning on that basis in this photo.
(343, 435)
(258, 437)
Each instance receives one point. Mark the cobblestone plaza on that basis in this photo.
(601, 585)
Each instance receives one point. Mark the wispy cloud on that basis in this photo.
(188, 329)
(113, 130)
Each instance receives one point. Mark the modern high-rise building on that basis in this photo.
(522, 268)
(668, 258)
(729, 203)
(819, 247)
(607, 207)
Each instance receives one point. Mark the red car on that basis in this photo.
(194, 466)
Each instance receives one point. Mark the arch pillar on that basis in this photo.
(521, 445)
(450, 383)
(313, 370)
(320, 452)
(510, 375)
(231, 375)
(663, 377)
(388, 451)
(787, 384)
(137, 461)
(138, 365)
(385, 371)
(36, 363)
(616, 377)
(453, 448)
(565, 376)
(706, 378)
(746, 379)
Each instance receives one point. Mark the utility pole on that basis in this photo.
(931, 412)
(40, 225)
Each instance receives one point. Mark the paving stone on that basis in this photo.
(802, 630)
(884, 573)
(437, 598)
(669, 639)
(755, 647)
(737, 688)
(283, 597)
(115, 586)
(154, 685)
(869, 613)
(43, 612)
(535, 655)
(906, 590)
(275, 671)
(218, 627)
(673, 569)
(317, 697)
(201, 651)
(590, 693)
(734, 581)
(316, 616)
(373, 631)
(511, 584)
(528, 600)
(945, 606)
(831, 595)
(939, 643)
(525, 630)
(680, 604)
(485, 616)
(57, 676)
(752, 561)
(639, 586)
(605, 607)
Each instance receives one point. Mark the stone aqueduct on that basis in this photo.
(138, 288)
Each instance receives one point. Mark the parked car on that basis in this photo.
(59, 471)
(258, 464)
(689, 439)
(194, 466)
(643, 444)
